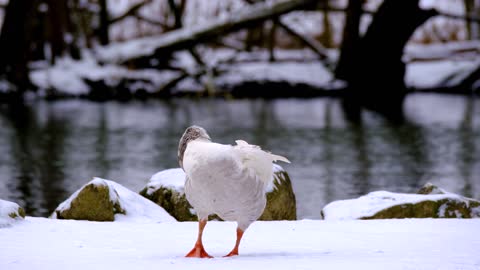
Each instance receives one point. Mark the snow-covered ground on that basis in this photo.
(39, 243)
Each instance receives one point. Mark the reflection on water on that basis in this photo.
(51, 149)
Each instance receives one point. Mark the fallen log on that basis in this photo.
(135, 51)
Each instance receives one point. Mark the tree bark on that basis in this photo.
(327, 36)
(14, 41)
(372, 65)
(350, 40)
(103, 31)
(469, 7)
(57, 27)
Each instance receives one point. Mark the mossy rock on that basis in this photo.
(430, 202)
(166, 189)
(281, 203)
(11, 210)
(93, 202)
(444, 208)
(19, 213)
(453, 207)
(173, 201)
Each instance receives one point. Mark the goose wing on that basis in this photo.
(256, 160)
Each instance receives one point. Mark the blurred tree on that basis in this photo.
(326, 37)
(350, 40)
(14, 43)
(59, 30)
(472, 8)
(372, 64)
(104, 23)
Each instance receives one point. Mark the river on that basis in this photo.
(50, 149)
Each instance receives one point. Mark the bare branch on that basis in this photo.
(150, 21)
(467, 17)
(308, 41)
(132, 11)
(186, 38)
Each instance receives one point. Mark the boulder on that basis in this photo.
(431, 202)
(105, 200)
(10, 212)
(281, 203)
(166, 188)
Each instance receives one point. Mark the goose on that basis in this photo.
(225, 180)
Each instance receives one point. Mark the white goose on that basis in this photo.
(226, 180)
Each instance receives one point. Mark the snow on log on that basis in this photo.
(133, 50)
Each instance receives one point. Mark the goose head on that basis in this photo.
(191, 133)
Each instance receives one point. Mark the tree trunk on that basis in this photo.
(104, 23)
(327, 37)
(374, 68)
(350, 40)
(177, 12)
(57, 27)
(469, 8)
(14, 41)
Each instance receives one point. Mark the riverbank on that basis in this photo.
(229, 73)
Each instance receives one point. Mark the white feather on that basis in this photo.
(254, 158)
(228, 180)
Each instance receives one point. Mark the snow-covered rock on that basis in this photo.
(432, 203)
(10, 212)
(105, 200)
(166, 188)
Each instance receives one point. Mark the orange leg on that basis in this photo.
(198, 250)
(234, 251)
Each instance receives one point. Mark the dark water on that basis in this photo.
(50, 149)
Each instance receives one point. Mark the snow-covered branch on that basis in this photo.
(184, 38)
(132, 11)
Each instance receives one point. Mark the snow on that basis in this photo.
(438, 73)
(39, 243)
(291, 66)
(136, 207)
(464, 49)
(374, 202)
(68, 75)
(7, 208)
(271, 185)
(5, 86)
(170, 178)
(311, 73)
(121, 51)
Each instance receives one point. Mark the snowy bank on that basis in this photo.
(296, 72)
(436, 203)
(9, 213)
(39, 243)
(74, 77)
(166, 188)
(105, 200)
